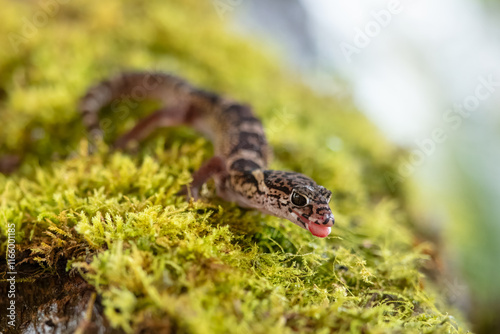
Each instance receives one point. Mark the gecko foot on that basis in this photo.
(189, 192)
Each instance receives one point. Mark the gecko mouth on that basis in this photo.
(317, 230)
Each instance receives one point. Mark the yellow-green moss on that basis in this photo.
(207, 266)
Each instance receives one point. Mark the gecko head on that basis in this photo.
(298, 198)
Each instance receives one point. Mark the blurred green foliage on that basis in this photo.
(207, 266)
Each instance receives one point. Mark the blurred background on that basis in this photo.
(427, 73)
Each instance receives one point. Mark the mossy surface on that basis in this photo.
(206, 266)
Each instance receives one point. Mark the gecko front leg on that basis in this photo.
(215, 168)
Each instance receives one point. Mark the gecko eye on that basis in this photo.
(298, 199)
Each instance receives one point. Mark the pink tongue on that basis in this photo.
(319, 230)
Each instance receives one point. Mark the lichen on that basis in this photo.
(203, 266)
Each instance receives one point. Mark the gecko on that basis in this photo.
(239, 166)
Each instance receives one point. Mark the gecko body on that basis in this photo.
(241, 151)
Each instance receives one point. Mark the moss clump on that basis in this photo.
(157, 261)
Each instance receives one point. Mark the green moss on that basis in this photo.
(206, 266)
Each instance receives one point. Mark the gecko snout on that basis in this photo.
(327, 219)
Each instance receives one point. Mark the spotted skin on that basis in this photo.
(241, 151)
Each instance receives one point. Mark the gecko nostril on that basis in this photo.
(327, 218)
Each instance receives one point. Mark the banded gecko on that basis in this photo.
(241, 151)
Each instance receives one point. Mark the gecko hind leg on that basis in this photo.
(215, 167)
(165, 117)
